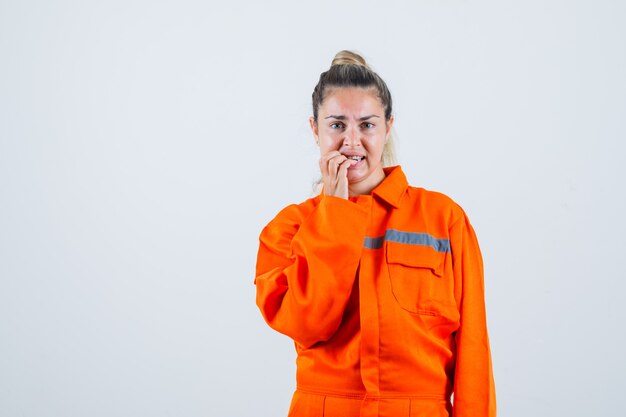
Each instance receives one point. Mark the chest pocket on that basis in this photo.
(417, 278)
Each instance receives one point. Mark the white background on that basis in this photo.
(144, 144)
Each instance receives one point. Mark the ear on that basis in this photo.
(389, 126)
(314, 130)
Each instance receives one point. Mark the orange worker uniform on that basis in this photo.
(383, 295)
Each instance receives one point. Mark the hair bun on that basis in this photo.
(348, 58)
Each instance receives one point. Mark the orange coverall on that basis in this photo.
(383, 295)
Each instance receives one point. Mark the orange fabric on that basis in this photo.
(383, 295)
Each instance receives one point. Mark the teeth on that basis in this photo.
(355, 157)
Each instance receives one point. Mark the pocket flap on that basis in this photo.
(416, 256)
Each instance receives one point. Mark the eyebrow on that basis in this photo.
(332, 116)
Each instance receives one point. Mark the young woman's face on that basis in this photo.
(351, 120)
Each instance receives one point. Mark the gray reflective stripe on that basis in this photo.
(374, 242)
(409, 238)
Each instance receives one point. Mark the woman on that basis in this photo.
(379, 284)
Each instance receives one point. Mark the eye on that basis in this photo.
(336, 125)
(368, 125)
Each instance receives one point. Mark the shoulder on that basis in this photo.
(292, 215)
(434, 203)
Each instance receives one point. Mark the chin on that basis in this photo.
(354, 177)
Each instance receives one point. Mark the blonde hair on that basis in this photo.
(349, 69)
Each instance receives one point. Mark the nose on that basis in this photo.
(352, 138)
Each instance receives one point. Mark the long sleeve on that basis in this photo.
(306, 266)
(474, 389)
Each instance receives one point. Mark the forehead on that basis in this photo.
(349, 101)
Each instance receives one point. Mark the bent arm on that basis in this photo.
(306, 268)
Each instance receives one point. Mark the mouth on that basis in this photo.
(357, 158)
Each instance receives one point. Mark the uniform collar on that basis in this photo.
(393, 186)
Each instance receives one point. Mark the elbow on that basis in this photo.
(307, 335)
(304, 327)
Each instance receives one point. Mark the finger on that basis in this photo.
(336, 162)
(324, 167)
(344, 165)
(330, 155)
(342, 178)
(342, 172)
(324, 162)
